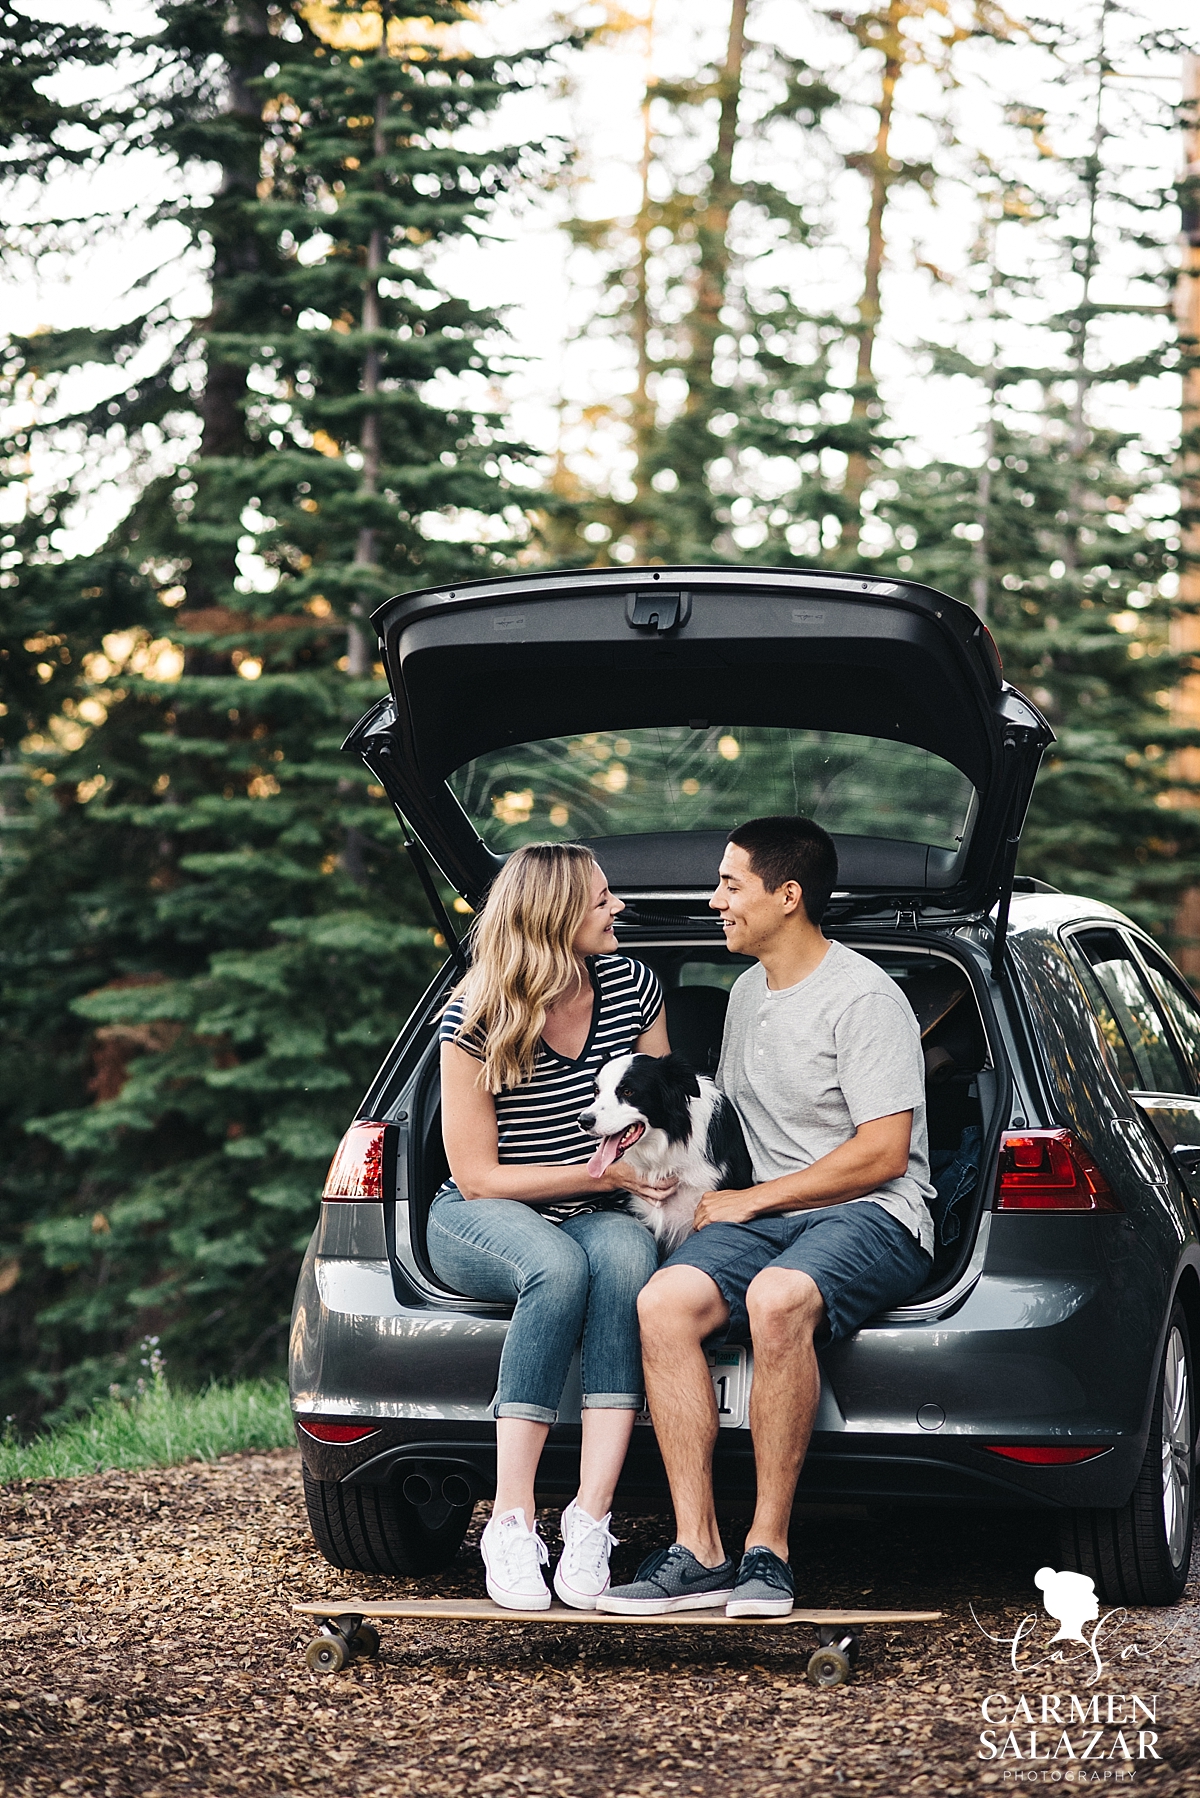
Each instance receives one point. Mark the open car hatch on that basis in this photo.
(648, 711)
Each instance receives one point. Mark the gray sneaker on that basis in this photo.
(764, 1587)
(671, 1580)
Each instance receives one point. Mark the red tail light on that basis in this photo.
(356, 1171)
(339, 1432)
(1049, 1170)
(1047, 1457)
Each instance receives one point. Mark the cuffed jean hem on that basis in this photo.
(613, 1401)
(531, 1413)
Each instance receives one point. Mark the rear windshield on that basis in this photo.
(711, 777)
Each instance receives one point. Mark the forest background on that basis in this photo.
(327, 300)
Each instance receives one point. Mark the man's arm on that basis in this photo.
(875, 1154)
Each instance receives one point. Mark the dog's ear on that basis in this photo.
(674, 1085)
(681, 1073)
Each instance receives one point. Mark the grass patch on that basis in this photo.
(156, 1428)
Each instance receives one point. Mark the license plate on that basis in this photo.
(731, 1374)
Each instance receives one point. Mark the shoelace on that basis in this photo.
(514, 1544)
(657, 1561)
(764, 1565)
(651, 1565)
(592, 1544)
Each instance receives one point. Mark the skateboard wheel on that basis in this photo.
(365, 1641)
(326, 1654)
(829, 1667)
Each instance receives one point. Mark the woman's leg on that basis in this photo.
(602, 1454)
(502, 1250)
(621, 1256)
(518, 1450)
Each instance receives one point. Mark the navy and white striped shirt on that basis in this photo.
(538, 1122)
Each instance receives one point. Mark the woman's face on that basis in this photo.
(596, 935)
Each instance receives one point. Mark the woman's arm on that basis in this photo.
(655, 1040)
(472, 1148)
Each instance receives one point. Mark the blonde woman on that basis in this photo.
(547, 1001)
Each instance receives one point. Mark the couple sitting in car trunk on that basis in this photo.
(821, 1057)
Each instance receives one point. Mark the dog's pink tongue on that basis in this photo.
(604, 1157)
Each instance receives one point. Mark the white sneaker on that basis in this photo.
(581, 1576)
(514, 1555)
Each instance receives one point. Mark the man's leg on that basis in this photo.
(785, 1309)
(677, 1309)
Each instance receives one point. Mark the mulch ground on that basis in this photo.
(147, 1647)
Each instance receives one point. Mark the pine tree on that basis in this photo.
(1061, 535)
(775, 426)
(674, 287)
(244, 933)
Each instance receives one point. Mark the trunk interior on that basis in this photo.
(696, 977)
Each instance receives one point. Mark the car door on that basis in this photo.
(1137, 1019)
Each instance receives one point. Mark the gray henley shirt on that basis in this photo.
(806, 1066)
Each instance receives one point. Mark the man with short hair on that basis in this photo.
(822, 1058)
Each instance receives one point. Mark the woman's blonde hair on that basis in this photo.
(522, 959)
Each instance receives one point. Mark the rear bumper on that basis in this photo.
(875, 1470)
(1019, 1361)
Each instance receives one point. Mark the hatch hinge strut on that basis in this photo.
(441, 915)
(1008, 870)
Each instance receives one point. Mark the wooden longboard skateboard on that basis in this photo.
(345, 1630)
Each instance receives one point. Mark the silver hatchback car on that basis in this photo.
(1047, 1363)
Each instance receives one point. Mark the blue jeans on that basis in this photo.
(580, 1278)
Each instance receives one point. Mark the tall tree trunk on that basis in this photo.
(235, 253)
(357, 649)
(981, 574)
(1079, 325)
(880, 175)
(642, 412)
(712, 278)
(982, 571)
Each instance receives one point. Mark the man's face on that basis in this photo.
(750, 916)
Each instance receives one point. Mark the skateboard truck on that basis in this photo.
(339, 1640)
(832, 1663)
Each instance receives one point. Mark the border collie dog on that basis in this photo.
(668, 1122)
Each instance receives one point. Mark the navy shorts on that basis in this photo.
(860, 1257)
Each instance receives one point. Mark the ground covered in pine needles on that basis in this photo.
(147, 1647)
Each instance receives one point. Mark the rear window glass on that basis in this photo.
(711, 777)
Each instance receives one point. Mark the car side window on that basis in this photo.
(1178, 1003)
(1132, 1009)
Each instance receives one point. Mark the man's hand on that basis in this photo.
(726, 1208)
(619, 1176)
(877, 1152)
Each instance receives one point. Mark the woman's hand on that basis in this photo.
(621, 1176)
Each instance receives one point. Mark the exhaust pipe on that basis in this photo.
(453, 1487)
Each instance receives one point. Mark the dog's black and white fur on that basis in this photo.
(667, 1122)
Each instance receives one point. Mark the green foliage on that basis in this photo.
(1068, 535)
(155, 1427)
(1074, 573)
(208, 930)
